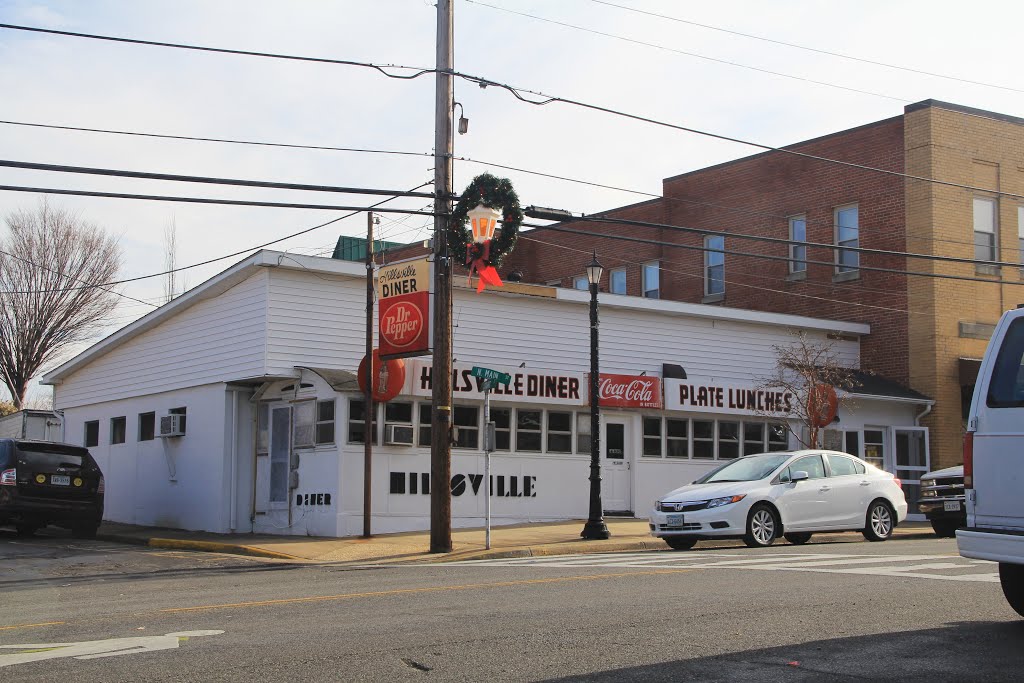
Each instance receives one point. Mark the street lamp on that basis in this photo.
(595, 527)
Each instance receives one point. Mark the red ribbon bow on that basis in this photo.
(477, 255)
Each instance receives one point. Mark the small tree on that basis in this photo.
(51, 264)
(800, 367)
(6, 408)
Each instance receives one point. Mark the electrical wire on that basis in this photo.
(51, 270)
(830, 53)
(686, 53)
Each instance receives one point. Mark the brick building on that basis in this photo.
(925, 332)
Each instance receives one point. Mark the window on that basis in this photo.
(798, 252)
(581, 282)
(852, 443)
(92, 433)
(1006, 387)
(263, 428)
(397, 411)
(778, 437)
(652, 280)
(583, 432)
(528, 428)
(118, 427)
(728, 440)
(810, 464)
(652, 437)
(753, 438)
(704, 439)
(559, 432)
(467, 426)
(617, 280)
(325, 421)
(714, 265)
(874, 447)
(984, 229)
(502, 419)
(677, 438)
(356, 424)
(841, 466)
(303, 421)
(425, 417)
(847, 237)
(147, 426)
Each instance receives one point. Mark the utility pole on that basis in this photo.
(441, 371)
(368, 406)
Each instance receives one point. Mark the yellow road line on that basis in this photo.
(45, 623)
(428, 589)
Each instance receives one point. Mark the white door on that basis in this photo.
(912, 461)
(616, 464)
(806, 504)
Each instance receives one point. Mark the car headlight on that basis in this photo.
(927, 482)
(727, 500)
(928, 494)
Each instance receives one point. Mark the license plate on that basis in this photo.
(951, 506)
(60, 479)
(673, 520)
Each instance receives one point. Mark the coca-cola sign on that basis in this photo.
(629, 391)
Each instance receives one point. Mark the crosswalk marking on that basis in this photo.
(941, 567)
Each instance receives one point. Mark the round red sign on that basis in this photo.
(401, 324)
(822, 405)
(388, 378)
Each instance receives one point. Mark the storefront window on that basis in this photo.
(852, 443)
(728, 440)
(325, 421)
(652, 437)
(467, 426)
(502, 419)
(583, 432)
(559, 432)
(528, 426)
(424, 438)
(356, 415)
(704, 439)
(778, 437)
(677, 434)
(753, 438)
(874, 447)
(398, 412)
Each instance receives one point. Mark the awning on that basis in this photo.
(870, 384)
(340, 380)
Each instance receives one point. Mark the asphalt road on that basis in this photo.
(903, 610)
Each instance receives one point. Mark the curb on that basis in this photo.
(215, 547)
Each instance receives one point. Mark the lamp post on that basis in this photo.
(595, 527)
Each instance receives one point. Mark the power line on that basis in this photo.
(768, 257)
(492, 164)
(830, 53)
(687, 53)
(374, 207)
(59, 168)
(246, 53)
(201, 200)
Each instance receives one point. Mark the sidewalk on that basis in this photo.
(523, 540)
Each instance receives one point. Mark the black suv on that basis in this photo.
(42, 482)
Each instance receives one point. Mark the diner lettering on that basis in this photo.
(529, 385)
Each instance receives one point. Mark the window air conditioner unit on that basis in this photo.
(398, 435)
(172, 425)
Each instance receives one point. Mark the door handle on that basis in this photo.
(865, 483)
(825, 488)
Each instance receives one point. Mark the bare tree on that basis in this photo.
(51, 264)
(171, 288)
(804, 368)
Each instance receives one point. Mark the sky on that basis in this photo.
(673, 61)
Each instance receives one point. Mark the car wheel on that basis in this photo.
(762, 527)
(84, 530)
(944, 528)
(798, 538)
(1011, 576)
(26, 529)
(879, 521)
(680, 542)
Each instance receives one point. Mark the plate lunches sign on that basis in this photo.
(404, 320)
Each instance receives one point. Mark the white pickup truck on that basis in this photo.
(994, 460)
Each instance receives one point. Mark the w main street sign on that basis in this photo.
(493, 375)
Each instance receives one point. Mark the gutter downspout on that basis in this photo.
(918, 418)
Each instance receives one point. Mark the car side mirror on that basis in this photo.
(799, 475)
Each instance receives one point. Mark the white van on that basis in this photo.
(994, 460)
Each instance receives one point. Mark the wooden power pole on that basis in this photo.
(441, 371)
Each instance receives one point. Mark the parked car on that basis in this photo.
(792, 494)
(44, 483)
(994, 460)
(942, 500)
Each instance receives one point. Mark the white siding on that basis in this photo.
(216, 340)
(315, 320)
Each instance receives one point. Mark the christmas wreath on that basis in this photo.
(483, 257)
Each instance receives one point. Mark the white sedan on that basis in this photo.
(789, 493)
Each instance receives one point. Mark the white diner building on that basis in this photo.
(259, 364)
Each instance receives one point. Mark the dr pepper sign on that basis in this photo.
(404, 320)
